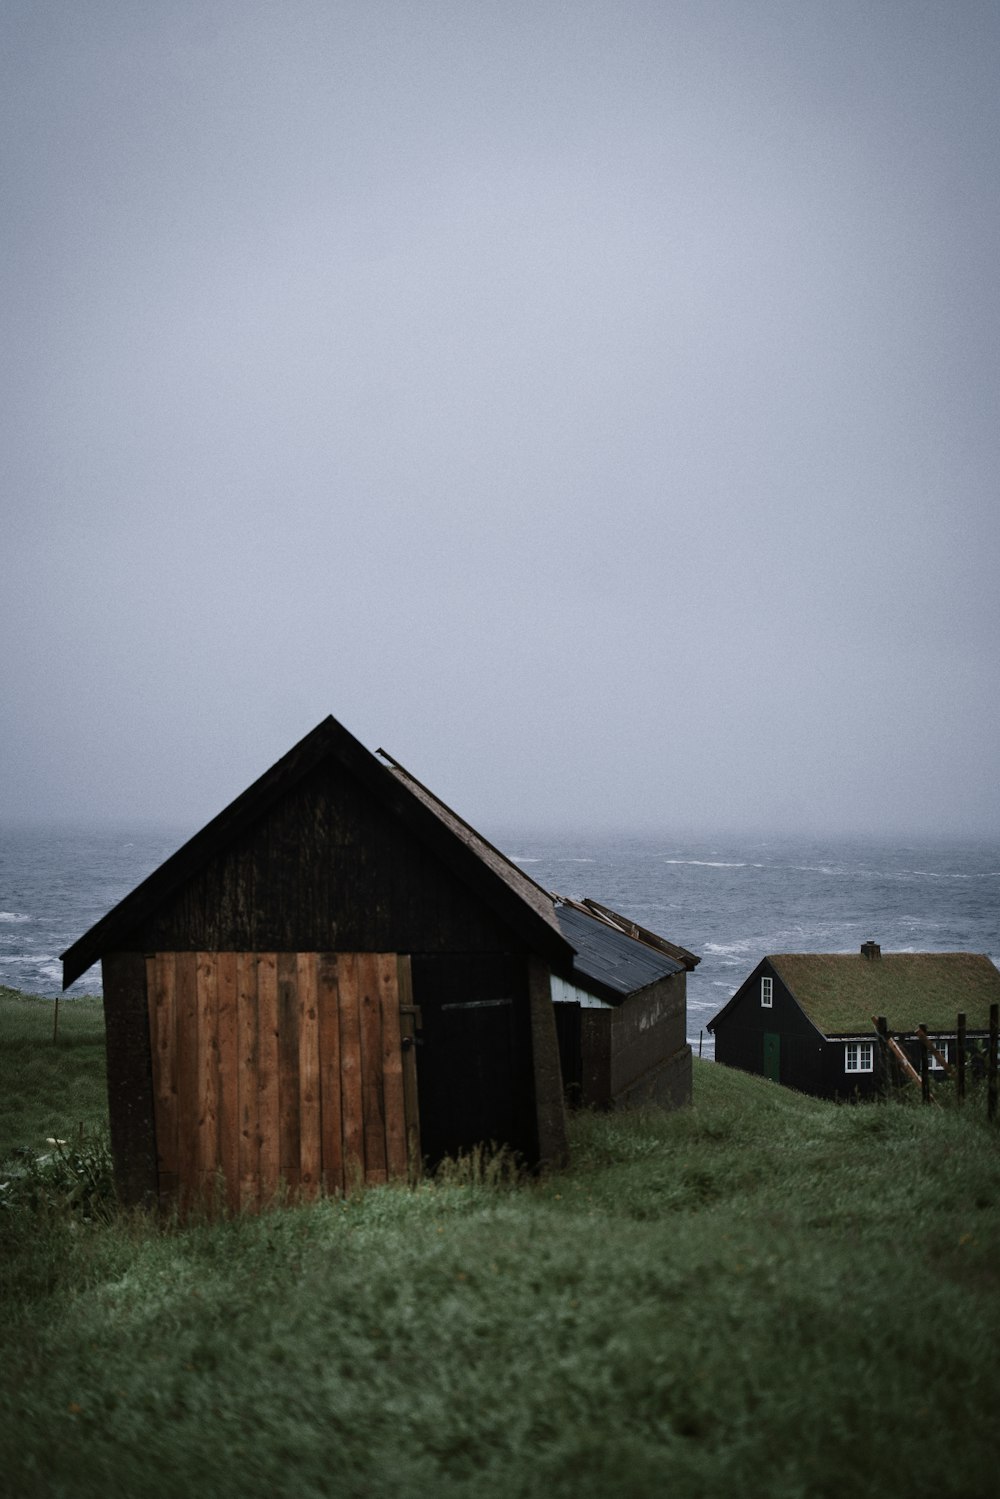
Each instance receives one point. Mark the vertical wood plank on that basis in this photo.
(372, 1099)
(392, 1068)
(350, 1071)
(310, 1117)
(411, 1101)
(188, 1078)
(288, 1072)
(992, 1064)
(208, 1076)
(267, 1075)
(328, 1006)
(163, 1041)
(228, 1053)
(247, 1080)
(550, 1107)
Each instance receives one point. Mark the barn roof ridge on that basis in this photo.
(514, 875)
(328, 738)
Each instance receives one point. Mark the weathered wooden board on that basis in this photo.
(310, 1119)
(331, 1124)
(267, 1075)
(161, 988)
(350, 1072)
(276, 1071)
(247, 1079)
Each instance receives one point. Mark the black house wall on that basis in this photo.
(739, 1036)
(808, 1061)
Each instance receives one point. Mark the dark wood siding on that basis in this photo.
(130, 1076)
(474, 1072)
(635, 1052)
(646, 1029)
(327, 868)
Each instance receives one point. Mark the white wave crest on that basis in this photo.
(13, 916)
(711, 863)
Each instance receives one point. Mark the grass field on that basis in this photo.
(762, 1295)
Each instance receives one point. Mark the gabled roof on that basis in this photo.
(519, 883)
(614, 956)
(840, 992)
(517, 900)
(607, 961)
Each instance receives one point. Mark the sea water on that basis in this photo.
(730, 900)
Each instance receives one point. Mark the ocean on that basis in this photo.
(731, 900)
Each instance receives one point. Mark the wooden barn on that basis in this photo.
(338, 979)
(806, 1019)
(334, 979)
(621, 1012)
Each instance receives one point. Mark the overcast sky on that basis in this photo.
(596, 404)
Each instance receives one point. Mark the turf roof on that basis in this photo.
(840, 992)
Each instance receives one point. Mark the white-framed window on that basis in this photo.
(944, 1047)
(858, 1056)
(766, 993)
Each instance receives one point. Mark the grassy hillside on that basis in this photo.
(763, 1295)
(49, 1087)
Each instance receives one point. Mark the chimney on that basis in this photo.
(870, 949)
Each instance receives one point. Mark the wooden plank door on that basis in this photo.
(772, 1056)
(278, 1072)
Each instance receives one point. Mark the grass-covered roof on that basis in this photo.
(840, 992)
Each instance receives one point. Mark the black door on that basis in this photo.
(474, 1074)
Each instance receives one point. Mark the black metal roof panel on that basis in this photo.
(608, 958)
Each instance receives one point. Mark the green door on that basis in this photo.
(772, 1056)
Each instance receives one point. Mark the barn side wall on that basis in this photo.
(646, 1029)
(637, 1052)
(130, 1077)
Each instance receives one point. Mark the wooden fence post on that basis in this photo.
(991, 1089)
(886, 1058)
(960, 1059)
(925, 1077)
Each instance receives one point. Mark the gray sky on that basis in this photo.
(594, 403)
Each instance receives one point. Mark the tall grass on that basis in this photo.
(762, 1295)
(49, 1087)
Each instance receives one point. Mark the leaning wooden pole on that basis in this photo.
(991, 1074)
(931, 1050)
(909, 1071)
(960, 1059)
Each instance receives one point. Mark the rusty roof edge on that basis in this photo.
(638, 933)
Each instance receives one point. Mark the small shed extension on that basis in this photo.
(805, 1019)
(335, 978)
(621, 1011)
(620, 999)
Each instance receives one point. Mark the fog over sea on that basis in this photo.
(731, 900)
